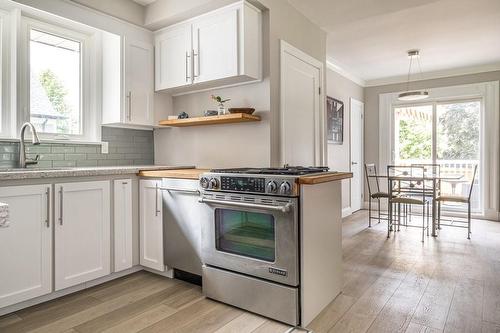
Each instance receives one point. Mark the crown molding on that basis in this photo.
(341, 70)
(436, 74)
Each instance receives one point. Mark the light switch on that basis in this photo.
(104, 147)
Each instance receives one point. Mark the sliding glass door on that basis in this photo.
(447, 133)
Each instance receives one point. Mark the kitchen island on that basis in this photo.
(321, 241)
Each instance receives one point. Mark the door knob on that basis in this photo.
(354, 163)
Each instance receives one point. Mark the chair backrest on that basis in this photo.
(429, 168)
(408, 179)
(371, 178)
(473, 181)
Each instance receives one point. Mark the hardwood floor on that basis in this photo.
(446, 284)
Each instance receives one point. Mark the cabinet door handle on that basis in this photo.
(188, 77)
(129, 111)
(156, 200)
(197, 62)
(47, 218)
(61, 205)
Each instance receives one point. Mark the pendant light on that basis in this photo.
(413, 95)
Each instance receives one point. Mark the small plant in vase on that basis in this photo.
(220, 103)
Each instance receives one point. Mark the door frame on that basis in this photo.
(362, 146)
(320, 127)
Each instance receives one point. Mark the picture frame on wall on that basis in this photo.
(335, 119)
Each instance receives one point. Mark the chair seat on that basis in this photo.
(453, 198)
(408, 200)
(381, 195)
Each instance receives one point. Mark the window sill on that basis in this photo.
(50, 141)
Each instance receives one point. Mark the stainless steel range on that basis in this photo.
(250, 246)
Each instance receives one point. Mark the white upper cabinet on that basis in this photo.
(215, 45)
(173, 53)
(26, 244)
(220, 48)
(82, 232)
(128, 84)
(139, 83)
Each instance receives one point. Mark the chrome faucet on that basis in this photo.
(23, 161)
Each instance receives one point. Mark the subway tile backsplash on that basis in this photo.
(126, 147)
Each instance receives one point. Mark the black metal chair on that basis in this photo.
(374, 191)
(459, 199)
(412, 190)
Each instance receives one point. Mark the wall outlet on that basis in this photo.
(104, 147)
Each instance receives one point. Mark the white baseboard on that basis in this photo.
(346, 212)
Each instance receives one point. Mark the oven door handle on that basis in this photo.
(284, 209)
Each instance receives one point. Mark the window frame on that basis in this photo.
(5, 75)
(87, 67)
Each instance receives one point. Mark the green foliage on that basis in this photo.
(415, 140)
(458, 128)
(56, 94)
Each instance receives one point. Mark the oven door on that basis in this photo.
(253, 235)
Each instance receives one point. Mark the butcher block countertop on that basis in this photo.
(324, 177)
(176, 173)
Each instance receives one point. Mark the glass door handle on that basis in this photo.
(284, 209)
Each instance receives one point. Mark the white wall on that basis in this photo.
(124, 9)
(342, 89)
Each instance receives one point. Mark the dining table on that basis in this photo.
(433, 179)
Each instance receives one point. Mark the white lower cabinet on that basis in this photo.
(82, 232)
(151, 225)
(123, 228)
(26, 244)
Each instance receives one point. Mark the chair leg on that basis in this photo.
(389, 220)
(370, 213)
(423, 221)
(399, 215)
(428, 217)
(468, 220)
(439, 215)
(378, 210)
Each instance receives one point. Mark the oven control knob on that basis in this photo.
(204, 182)
(272, 187)
(285, 188)
(214, 183)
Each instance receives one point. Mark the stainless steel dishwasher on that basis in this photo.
(182, 219)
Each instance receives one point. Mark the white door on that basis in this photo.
(151, 225)
(302, 134)
(173, 57)
(26, 244)
(356, 116)
(82, 232)
(122, 224)
(139, 83)
(215, 44)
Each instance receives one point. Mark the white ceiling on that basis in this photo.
(144, 2)
(370, 38)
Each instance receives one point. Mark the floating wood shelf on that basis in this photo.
(211, 120)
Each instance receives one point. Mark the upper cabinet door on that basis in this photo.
(173, 57)
(82, 232)
(26, 244)
(215, 45)
(139, 71)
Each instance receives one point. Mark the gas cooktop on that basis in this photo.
(290, 170)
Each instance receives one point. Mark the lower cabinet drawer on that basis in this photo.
(262, 297)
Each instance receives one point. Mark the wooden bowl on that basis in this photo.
(241, 110)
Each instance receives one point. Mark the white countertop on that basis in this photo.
(19, 174)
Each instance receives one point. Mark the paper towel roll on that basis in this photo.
(4, 215)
